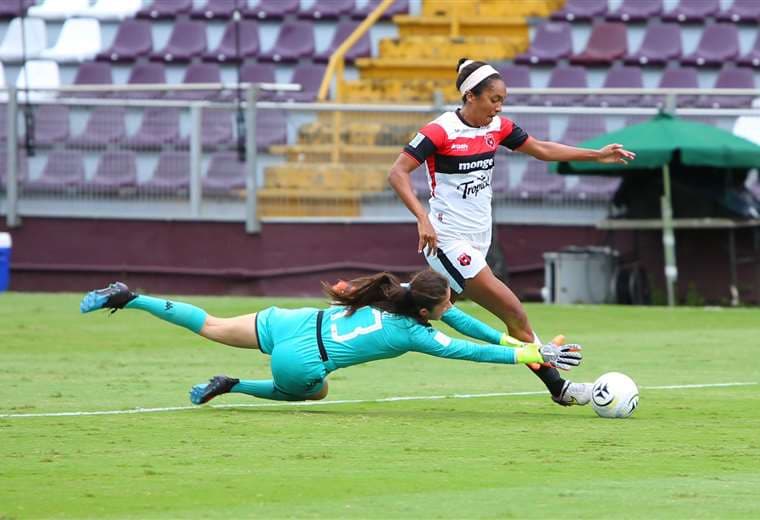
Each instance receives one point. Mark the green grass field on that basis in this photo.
(686, 453)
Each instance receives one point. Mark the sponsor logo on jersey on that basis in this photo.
(460, 146)
(473, 187)
(464, 259)
(482, 164)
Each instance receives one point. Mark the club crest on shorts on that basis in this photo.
(464, 259)
(490, 141)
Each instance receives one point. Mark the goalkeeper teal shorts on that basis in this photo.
(290, 337)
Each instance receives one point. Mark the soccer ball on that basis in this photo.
(614, 395)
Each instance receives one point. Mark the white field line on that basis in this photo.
(343, 401)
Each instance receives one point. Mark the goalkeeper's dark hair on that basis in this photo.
(384, 291)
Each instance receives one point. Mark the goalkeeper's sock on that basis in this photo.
(182, 314)
(264, 389)
(548, 375)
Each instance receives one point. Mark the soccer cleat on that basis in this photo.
(217, 385)
(113, 297)
(574, 394)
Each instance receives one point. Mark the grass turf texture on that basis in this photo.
(685, 453)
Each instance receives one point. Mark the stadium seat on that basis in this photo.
(719, 44)
(79, 40)
(748, 127)
(21, 171)
(51, 124)
(171, 175)
(752, 58)
(594, 188)
(64, 170)
(397, 7)
(216, 9)
(145, 74)
(40, 74)
(536, 183)
(636, 11)
(57, 9)
(581, 10)
(245, 37)
(361, 49)
(564, 76)
(187, 41)
(537, 125)
(271, 128)
(500, 177)
(11, 50)
(199, 73)
(677, 77)
(256, 73)
(225, 173)
(112, 9)
(328, 9)
(741, 11)
(165, 9)
(295, 40)
(105, 125)
(133, 40)
(607, 43)
(14, 8)
(309, 76)
(662, 42)
(692, 11)
(92, 73)
(216, 128)
(620, 76)
(551, 43)
(420, 184)
(116, 171)
(272, 9)
(159, 126)
(515, 76)
(730, 76)
(581, 128)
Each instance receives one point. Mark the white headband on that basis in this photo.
(476, 77)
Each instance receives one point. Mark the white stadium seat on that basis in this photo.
(79, 41)
(36, 39)
(112, 9)
(748, 127)
(39, 74)
(57, 9)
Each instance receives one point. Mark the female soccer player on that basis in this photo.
(374, 317)
(458, 149)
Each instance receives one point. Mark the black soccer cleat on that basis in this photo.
(217, 385)
(113, 297)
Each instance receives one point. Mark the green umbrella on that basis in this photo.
(656, 143)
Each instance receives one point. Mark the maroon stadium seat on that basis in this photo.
(225, 173)
(247, 41)
(581, 10)
(64, 170)
(271, 128)
(199, 73)
(564, 76)
(662, 42)
(730, 76)
(272, 9)
(13, 8)
(187, 40)
(719, 43)
(309, 76)
(93, 73)
(116, 171)
(552, 42)
(171, 175)
(537, 183)
(607, 43)
(677, 77)
(165, 9)
(741, 11)
(581, 128)
(636, 11)
(105, 125)
(620, 76)
(515, 76)
(133, 40)
(294, 41)
(51, 125)
(159, 126)
(145, 74)
(361, 49)
(752, 58)
(328, 9)
(693, 11)
(217, 9)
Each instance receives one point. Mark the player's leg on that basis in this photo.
(237, 332)
(263, 389)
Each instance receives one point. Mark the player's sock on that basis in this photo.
(548, 375)
(263, 389)
(182, 314)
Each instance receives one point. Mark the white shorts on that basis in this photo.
(458, 261)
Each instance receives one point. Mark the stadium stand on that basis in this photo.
(636, 11)
(165, 9)
(677, 77)
(38, 74)
(730, 76)
(57, 9)
(111, 9)
(564, 76)
(592, 187)
(516, 76)
(170, 176)
(14, 8)
(309, 76)
(35, 34)
(64, 170)
(145, 74)
(361, 49)
(159, 126)
(51, 125)
(581, 128)
(398, 7)
(203, 72)
(742, 12)
(133, 40)
(537, 183)
(116, 173)
(79, 41)
(719, 43)
(551, 43)
(607, 43)
(662, 42)
(239, 41)
(581, 10)
(294, 41)
(105, 125)
(215, 10)
(620, 76)
(752, 58)
(272, 9)
(92, 73)
(693, 11)
(327, 9)
(187, 41)
(225, 174)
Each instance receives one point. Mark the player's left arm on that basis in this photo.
(551, 151)
(465, 324)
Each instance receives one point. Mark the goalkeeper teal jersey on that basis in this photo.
(371, 334)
